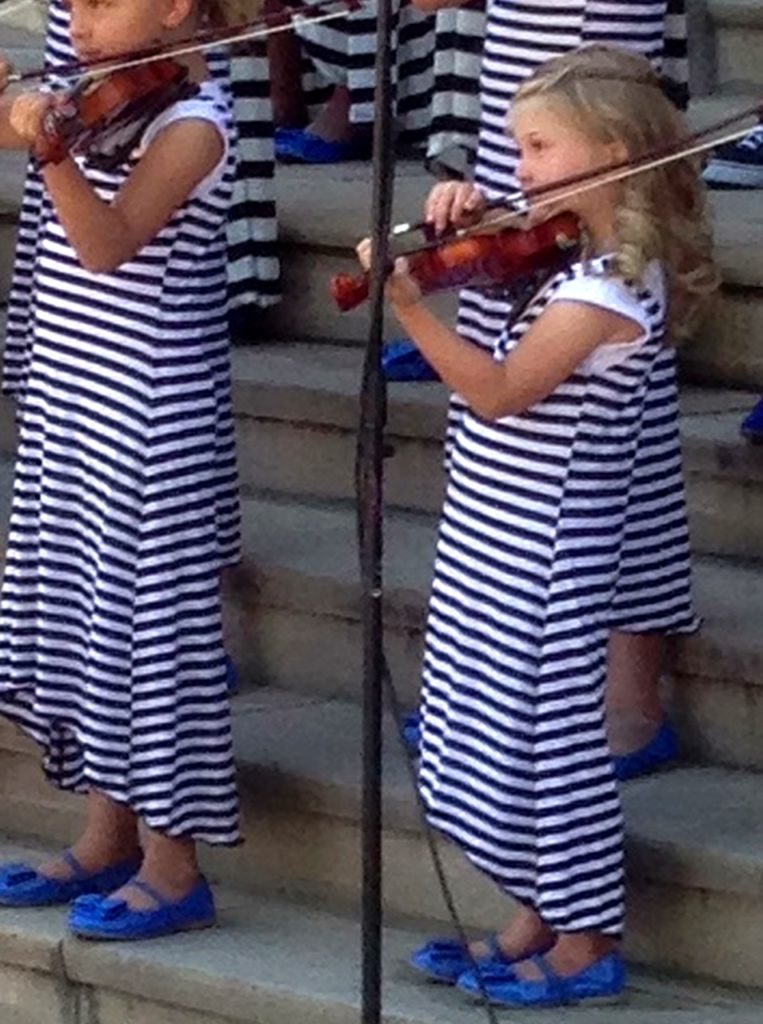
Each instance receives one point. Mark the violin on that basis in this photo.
(478, 259)
(105, 116)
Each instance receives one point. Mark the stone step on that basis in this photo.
(293, 620)
(297, 409)
(694, 845)
(274, 961)
(736, 28)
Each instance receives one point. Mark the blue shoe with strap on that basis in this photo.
(446, 960)
(103, 917)
(659, 751)
(23, 886)
(752, 424)
(602, 982)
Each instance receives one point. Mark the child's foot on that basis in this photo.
(117, 917)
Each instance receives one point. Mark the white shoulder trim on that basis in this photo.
(613, 293)
(209, 104)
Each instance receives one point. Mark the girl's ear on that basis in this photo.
(176, 12)
(618, 152)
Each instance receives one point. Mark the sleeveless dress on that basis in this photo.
(515, 766)
(655, 590)
(125, 510)
(253, 263)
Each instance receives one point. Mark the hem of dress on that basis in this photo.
(85, 785)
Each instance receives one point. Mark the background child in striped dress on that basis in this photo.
(515, 766)
(125, 506)
(519, 36)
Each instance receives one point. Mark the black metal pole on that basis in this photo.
(369, 485)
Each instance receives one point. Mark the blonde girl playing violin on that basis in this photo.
(515, 766)
(125, 505)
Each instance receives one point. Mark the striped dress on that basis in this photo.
(343, 52)
(515, 766)
(125, 510)
(460, 35)
(655, 589)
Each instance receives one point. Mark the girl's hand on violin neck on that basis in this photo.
(401, 289)
(453, 203)
(27, 113)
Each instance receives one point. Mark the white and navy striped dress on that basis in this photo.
(515, 766)
(343, 52)
(655, 589)
(125, 510)
(460, 36)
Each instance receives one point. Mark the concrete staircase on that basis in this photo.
(289, 946)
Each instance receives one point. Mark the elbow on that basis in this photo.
(498, 407)
(102, 262)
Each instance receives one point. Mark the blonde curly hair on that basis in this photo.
(616, 96)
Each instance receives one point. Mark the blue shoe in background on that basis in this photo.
(103, 917)
(299, 146)
(737, 164)
(602, 982)
(659, 751)
(22, 886)
(410, 731)
(402, 361)
(752, 424)
(231, 675)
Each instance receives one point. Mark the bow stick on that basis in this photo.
(261, 27)
(518, 204)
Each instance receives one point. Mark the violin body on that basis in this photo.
(480, 260)
(105, 116)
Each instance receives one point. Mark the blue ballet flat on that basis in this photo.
(301, 146)
(402, 361)
(410, 731)
(659, 751)
(22, 886)
(752, 424)
(446, 960)
(103, 917)
(602, 982)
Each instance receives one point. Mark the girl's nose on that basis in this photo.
(524, 176)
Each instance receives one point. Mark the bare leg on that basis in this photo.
(527, 934)
(573, 952)
(332, 122)
(285, 59)
(110, 836)
(169, 866)
(633, 705)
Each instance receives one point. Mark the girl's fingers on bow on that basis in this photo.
(363, 250)
(5, 70)
(452, 202)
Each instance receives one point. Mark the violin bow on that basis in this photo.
(261, 27)
(519, 203)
